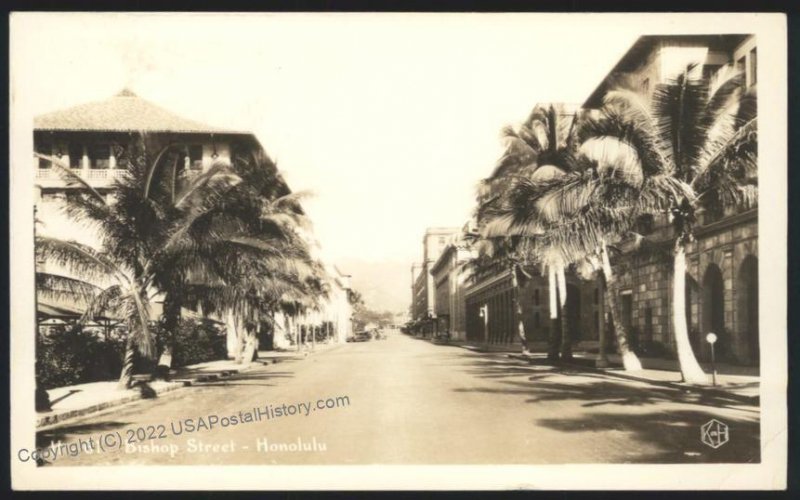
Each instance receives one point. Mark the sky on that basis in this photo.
(389, 120)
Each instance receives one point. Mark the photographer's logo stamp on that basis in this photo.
(714, 433)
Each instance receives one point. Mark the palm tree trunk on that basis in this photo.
(564, 327)
(554, 340)
(230, 333)
(249, 348)
(629, 359)
(566, 337)
(296, 333)
(518, 310)
(127, 365)
(172, 316)
(690, 368)
(602, 356)
(241, 340)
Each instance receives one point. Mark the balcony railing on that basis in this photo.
(51, 173)
(88, 174)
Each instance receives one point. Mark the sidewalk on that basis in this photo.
(83, 399)
(739, 383)
(482, 347)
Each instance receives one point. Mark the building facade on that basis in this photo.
(449, 277)
(722, 263)
(95, 141)
(490, 308)
(423, 291)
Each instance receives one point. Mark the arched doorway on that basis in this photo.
(713, 309)
(747, 307)
(572, 312)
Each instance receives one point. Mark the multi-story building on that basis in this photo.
(490, 296)
(423, 292)
(722, 264)
(449, 277)
(722, 277)
(94, 140)
(489, 299)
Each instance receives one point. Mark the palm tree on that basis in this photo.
(138, 232)
(571, 216)
(703, 138)
(543, 146)
(246, 252)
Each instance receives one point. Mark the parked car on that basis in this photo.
(362, 336)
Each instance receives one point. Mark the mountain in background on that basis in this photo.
(385, 286)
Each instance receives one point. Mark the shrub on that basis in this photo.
(73, 356)
(194, 342)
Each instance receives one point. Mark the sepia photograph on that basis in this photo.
(398, 251)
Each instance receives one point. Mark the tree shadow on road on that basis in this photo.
(675, 435)
(596, 403)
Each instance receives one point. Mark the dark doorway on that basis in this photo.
(713, 310)
(747, 307)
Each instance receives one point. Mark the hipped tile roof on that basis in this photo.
(125, 112)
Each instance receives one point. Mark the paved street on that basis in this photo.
(412, 402)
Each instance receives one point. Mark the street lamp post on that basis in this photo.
(711, 338)
(484, 313)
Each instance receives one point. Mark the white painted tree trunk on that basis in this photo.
(629, 359)
(690, 368)
(551, 288)
(249, 348)
(231, 334)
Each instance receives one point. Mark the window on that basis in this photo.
(44, 149)
(75, 156)
(99, 156)
(196, 157)
(741, 68)
(536, 297)
(753, 67)
(596, 296)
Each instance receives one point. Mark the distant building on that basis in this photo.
(423, 297)
(449, 277)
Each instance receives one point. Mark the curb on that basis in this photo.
(57, 418)
(179, 383)
(750, 400)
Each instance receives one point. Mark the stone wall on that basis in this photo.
(720, 267)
